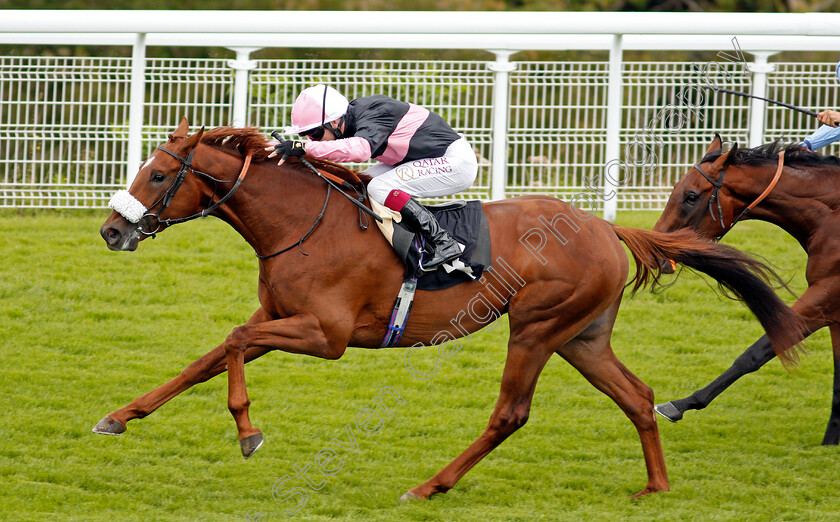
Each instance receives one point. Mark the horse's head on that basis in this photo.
(698, 200)
(143, 209)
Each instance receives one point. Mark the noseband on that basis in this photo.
(715, 197)
(150, 228)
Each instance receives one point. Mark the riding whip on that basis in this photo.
(745, 95)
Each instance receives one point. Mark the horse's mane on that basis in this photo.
(768, 154)
(250, 140)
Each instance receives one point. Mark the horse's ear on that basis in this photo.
(192, 141)
(181, 131)
(726, 158)
(731, 154)
(716, 144)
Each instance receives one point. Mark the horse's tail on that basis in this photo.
(748, 279)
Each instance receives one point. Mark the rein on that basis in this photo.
(715, 196)
(301, 240)
(767, 190)
(332, 183)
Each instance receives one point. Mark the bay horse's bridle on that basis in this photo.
(715, 196)
(150, 228)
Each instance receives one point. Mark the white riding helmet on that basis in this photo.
(316, 106)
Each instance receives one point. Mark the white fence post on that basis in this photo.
(137, 103)
(241, 65)
(501, 70)
(614, 100)
(759, 68)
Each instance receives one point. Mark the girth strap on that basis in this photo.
(399, 317)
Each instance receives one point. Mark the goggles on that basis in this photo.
(316, 134)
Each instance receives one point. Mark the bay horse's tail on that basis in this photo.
(748, 279)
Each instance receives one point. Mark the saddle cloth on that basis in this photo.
(466, 223)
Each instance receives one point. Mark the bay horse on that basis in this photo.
(804, 201)
(557, 272)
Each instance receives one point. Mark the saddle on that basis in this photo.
(466, 223)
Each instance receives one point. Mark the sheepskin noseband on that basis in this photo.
(127, 205)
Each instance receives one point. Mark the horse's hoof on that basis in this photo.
(667, 266)
(409, 497)
(650, 490)
(669, 411)
(109, 426)
(251, 444)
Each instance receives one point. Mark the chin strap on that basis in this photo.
(337, 129)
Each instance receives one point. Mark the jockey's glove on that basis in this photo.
(290, 148)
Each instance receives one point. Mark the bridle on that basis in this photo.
(148, 227)
(715, 197)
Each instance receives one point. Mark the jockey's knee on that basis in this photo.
(379, 190)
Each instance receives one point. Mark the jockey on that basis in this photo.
(418, 152)
(829, 132)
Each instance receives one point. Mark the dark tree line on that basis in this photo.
(722, 6)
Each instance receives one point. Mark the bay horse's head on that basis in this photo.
(700, 200)
(149, 205)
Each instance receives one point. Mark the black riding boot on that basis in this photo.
(420, 220)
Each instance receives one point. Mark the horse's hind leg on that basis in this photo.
(204, 368)
(523, 367)
(591, 354)
(529, 348)
(832, 431)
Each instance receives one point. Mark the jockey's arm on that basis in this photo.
(827, 133)
(354, 149)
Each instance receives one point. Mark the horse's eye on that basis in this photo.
(691, 197)
(157, 177)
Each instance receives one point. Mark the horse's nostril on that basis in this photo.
(111, 235)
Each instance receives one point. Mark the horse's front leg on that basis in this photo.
(301, 334)
(204, 368)
(832, 431)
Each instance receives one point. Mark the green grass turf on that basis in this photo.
(85, 330)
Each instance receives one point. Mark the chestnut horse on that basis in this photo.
(558, 273)
(805, 203)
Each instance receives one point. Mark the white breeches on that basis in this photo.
(449, 174)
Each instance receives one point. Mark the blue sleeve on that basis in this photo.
(822, 137)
